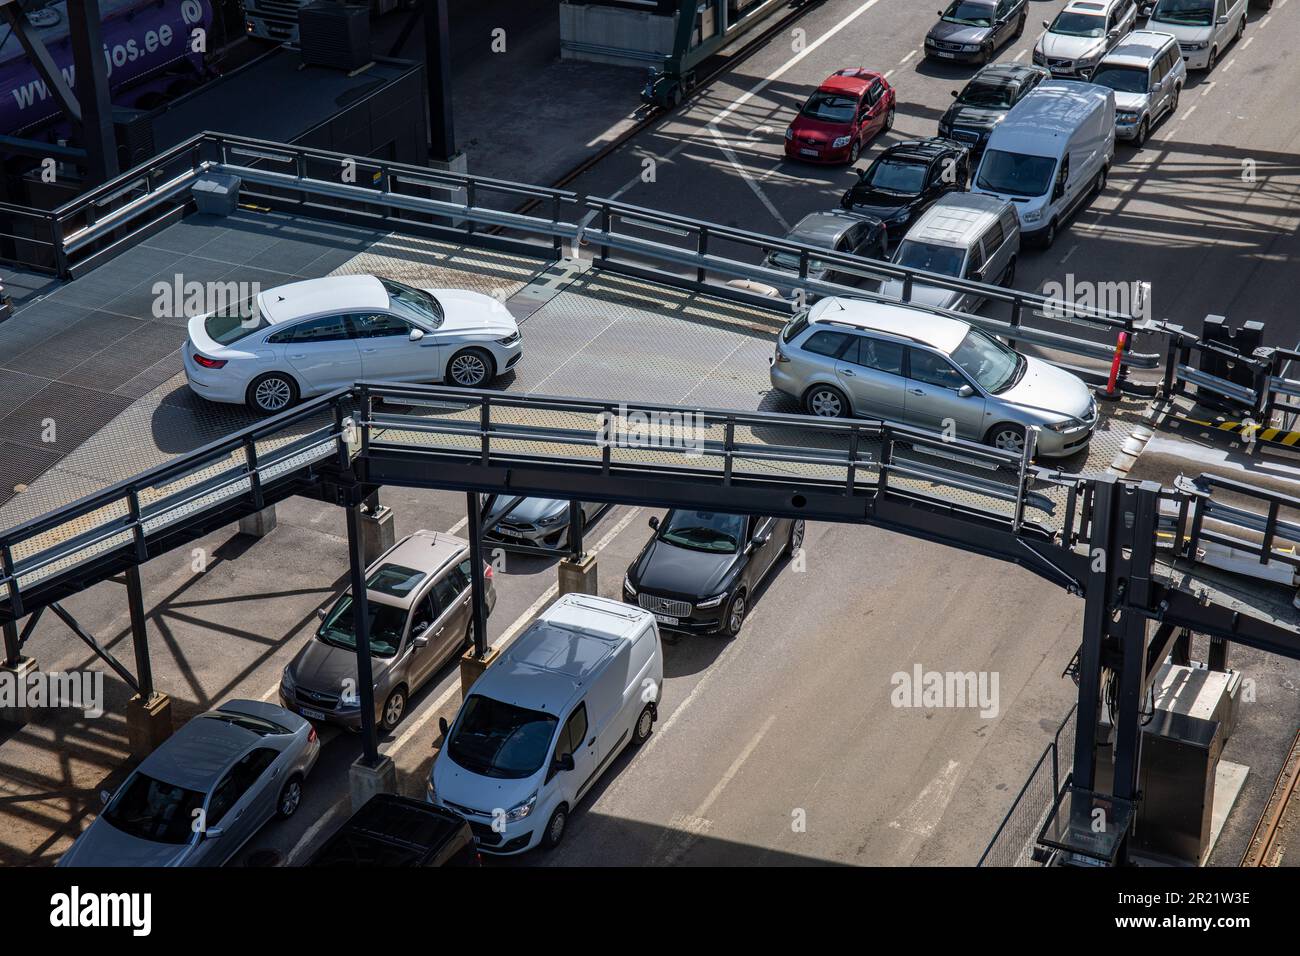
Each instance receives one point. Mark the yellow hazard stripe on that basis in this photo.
(1274, 436)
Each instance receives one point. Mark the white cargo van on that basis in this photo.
(547, 719)
(1050, 154)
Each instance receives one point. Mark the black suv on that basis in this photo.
(906, 179)
(985, 100)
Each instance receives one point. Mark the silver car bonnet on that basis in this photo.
(1044, 387)
(1061, 47)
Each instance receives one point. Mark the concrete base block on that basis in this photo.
(15, 676)
(365, 781)
(578, 576)
(148, 723)
(378, 533)
(259, 524)
(472, 668)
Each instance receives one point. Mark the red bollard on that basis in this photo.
(1112, 392)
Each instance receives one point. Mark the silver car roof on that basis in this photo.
(956, 219)
(424, 551)
(196, 756)
(903, 321)
(1139, 48)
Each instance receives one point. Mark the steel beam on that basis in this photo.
(1096, 610)
(96, 119)
(361, 632)
(139, 632)
(437, 70)
(100, 651)
(12, 645)
(478, 587)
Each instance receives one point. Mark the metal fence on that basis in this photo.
(1017, 835)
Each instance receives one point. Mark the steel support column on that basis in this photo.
(97, 133)
(13, 649)
(437, 73)
(139, 632)
(1096, 610)
(361, 630)
(478, 588)
(575, 530)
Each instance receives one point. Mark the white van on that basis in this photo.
(1051, 153)
(547, 719)
(1204, 28)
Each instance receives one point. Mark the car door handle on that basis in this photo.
(591, 742)
(369, 350)
(300, 355)
(849, 372)
(917, 391)
(438, 631)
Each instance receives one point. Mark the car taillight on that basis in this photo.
(207, 362)
(781, 356)
(487, 572)
(311, 735)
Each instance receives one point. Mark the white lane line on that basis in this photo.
(904, 60)
(923, 813)
(1208, 86)
(1073, 248)
(1020, 56)
(887, 74)
(735, 163)
(1191, 110)
(1228, 66)
(310, 833)
(520, 622)
(1249, 40)
(455, 529)
(734, 769)
(758, 87)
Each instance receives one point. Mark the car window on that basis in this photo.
(874, 93)
(460, 575)
(826, 342)
(878, 354)
(151, 809)
(379, 325)
(994, 238)
(330, 328)
(445, 593)
(933, 370)
(574, 733)
(975, 262)
(238, 781)
(423, 613)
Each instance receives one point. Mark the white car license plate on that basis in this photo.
(509, 534)
(808, 152)
(312, 714)
(665, 619)
(946, 56)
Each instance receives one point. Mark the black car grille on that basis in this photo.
(314, 698)
(966, 136)
(945, 45)
(486, 835)
(663, 605)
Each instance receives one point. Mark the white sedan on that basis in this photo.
(311, 337)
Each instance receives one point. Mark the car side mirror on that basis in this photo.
(442, 726)
(564, 762)
(954, 93)
(966, 391)
(104, 797)
(320, 613)
(212, 833)
(1222, 20)
(1046, 25)
(653, 523)
(419, 640)
(416, 335)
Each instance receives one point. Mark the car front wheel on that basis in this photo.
(394, 708)
(735, 615)
(555, 827)
(470, 368)
(1009, 438)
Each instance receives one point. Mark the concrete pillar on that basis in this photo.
(578, 575)
(366, 780)
(472, 667)
(377, 533)
(14, 676)
(148, 723)
(259, 524)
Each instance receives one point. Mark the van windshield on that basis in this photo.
(946, 260)
(1184, 13)
(1122, 79)
(495, 739)
(1015, 174)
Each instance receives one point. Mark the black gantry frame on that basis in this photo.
(341, 447)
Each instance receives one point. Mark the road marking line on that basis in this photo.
(735, 163)
(924, 813)
(1020, 56)
(887, 74)
(1208, 86)
(734, 769)
(906, 58)
(1073, 249)
(501, 643)
(1190, 111)
(312, 830)
(1249, 40)
(1228, 66)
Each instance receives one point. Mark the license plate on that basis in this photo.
(312, 714)
(665, 619)
(946, 56)
(808, 152)
(509, 534)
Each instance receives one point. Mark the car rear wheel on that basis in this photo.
(286, 805)
(1008, 437)
(1099, 186)
(394, 709)
(796, 537)
(826, 401)
(1009, 277)
(470, 368)
(272, 393)
(1241, 26)
(1173, 103)
(555, 827)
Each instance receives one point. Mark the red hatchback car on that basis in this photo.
(837, 121)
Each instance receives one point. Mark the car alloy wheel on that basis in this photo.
(796, 536)
(855, 150)
(469, 369)
(826, 402)
(1009, 438)
(1050, 238)
(290, 798)
(1140, 136)
(394, 707)
(889, 120)
(735, 614)
(272, 393)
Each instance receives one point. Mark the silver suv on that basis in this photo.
(905, 364)
(1147, 73)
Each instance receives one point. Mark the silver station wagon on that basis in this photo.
(905, 364)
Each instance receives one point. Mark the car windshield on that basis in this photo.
(1015, 174)
(414, 302)
(385, 626)
(495, 739)
(933, 258)
(1122, 79)
(1070, 23)
(1186, 13)
(993, 96)
(969, 14)
(230, 323)
(896, 176)
(830, 107)
(790, 262)
(703, 531)
(150, 809)
(988, 361)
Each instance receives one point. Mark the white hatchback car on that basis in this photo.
(311, 337)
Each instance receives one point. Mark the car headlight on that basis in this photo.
(841, 142)
(287, 684)
(789, 132)
(1064, 426)
(627, 586)
(509, 339)
(430, 794)
(929, 41)
(1033, 215)
(1039, 58)
(713, 601)
(551, 521)
(521, 810)
(1200, 45)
